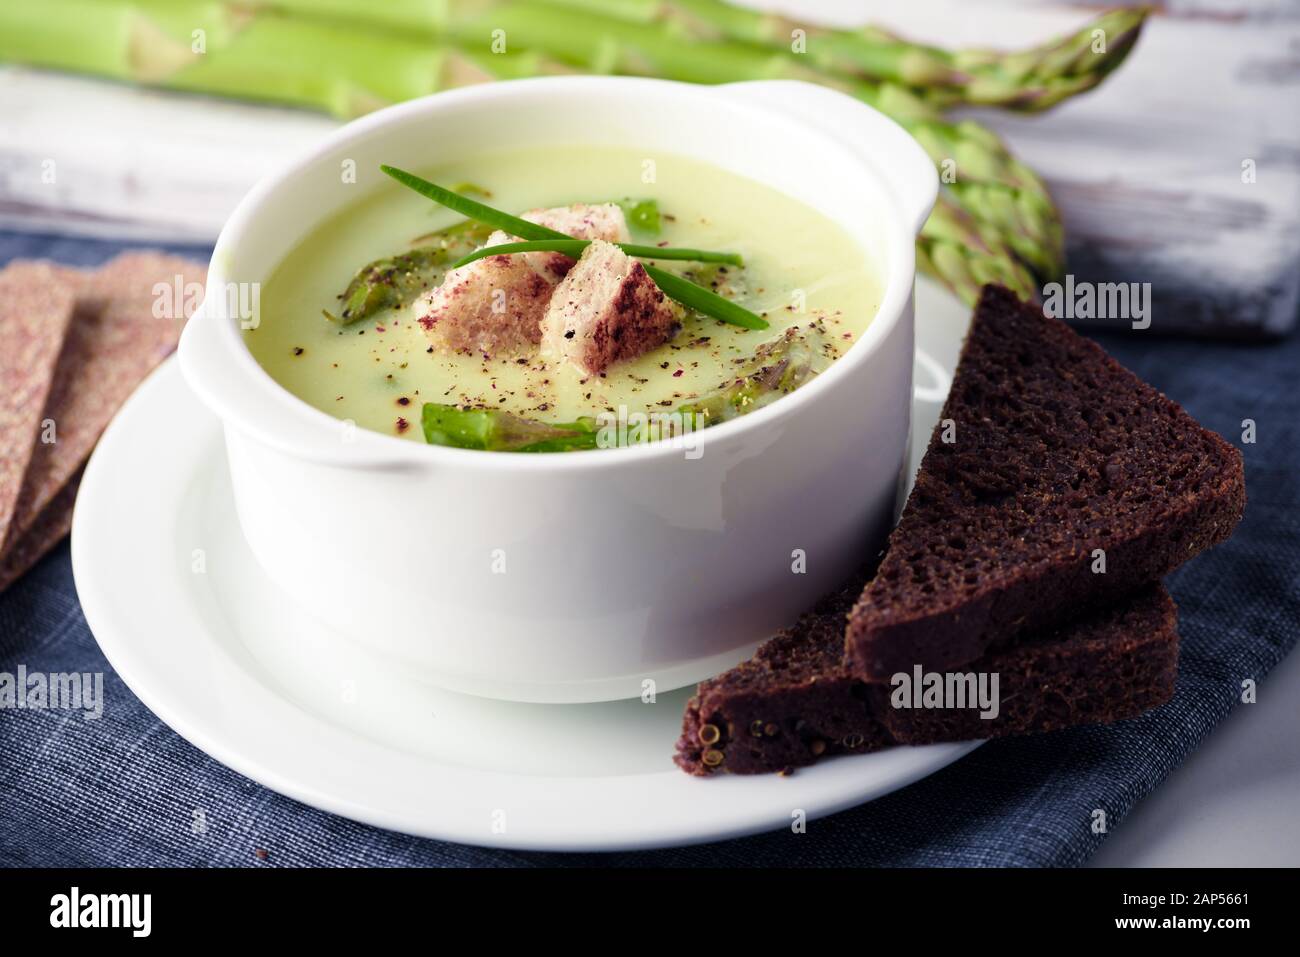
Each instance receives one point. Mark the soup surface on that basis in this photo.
(801, 269)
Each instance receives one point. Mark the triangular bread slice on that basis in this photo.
(795, 701)
(35, 312)
(114, 340)
(1055, 481)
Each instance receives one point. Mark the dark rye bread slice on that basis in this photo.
(795, 701)
(1056, 450)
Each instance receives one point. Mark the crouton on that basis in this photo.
(492, 305)
(606, 310)
(581, 221)
(496, 305)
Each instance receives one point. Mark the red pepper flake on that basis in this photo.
(678, 373)
(380, 329)
(402, 424)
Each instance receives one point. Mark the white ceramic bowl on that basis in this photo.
(623, 566)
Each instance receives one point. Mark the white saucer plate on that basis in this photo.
(183, 613)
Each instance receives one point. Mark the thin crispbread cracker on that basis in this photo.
(35, 313)
(48, 529)
(129, 318)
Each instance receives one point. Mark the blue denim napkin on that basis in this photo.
(120, 790)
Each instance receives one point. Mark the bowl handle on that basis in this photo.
(900, 159)
(228, 380)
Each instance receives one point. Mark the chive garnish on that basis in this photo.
(675, 287)
(574, 248)
(472, 208)
(703, 301)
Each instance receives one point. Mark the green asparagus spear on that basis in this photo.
(776, 369)
(467, 232)
(393, 280)
(1029, 80)
(246, 51)
(965, 255)
(1045, 75)
(493, 430)
(389, 282)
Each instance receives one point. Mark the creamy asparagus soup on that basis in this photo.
(606, 284)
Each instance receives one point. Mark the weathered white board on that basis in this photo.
(1148, 169)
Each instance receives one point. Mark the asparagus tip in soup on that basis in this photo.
(492, 430)
(778, 368)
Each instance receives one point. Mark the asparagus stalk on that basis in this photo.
(392, 280)
(388, 282)
(964, 254)
(234, 50)
(776, 369)
(1029, 80)
(494, 430)
(1041, 77)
